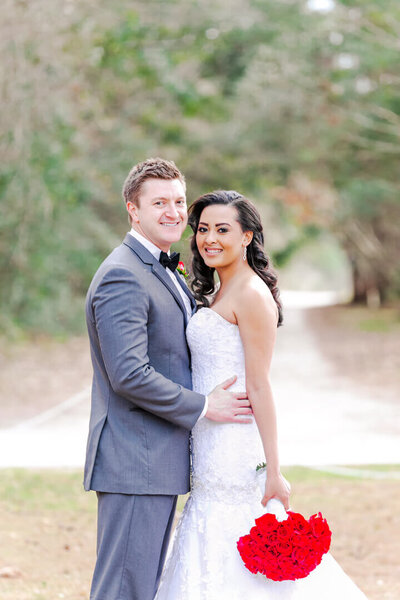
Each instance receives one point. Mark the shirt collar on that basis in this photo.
(155, 250)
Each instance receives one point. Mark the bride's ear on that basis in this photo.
(248, 236)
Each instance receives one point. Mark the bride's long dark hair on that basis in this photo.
(203, 283)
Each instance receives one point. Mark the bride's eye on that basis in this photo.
(222, 230)
(202, 230)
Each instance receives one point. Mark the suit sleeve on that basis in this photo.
(120, 308)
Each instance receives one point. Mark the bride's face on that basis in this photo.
(219, 238)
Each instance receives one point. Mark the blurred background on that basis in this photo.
(295, 104)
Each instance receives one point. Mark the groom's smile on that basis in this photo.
(161, 213)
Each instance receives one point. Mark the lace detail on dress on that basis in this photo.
(235, 448)
(204, 563)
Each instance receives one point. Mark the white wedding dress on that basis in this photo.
(203, 561)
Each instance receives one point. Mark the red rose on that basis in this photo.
(255, 534)
(271, 539)
(267, 522)
(300, 555)
(271, 552)
(321, 546)
(300, 525)
(285, 565)
(319, 526)
(285, 532)
(284, 548)
(182, 270)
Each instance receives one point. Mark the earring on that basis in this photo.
(244, 252)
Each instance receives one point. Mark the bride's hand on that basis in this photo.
(278, 487)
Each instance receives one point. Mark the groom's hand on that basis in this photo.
(228, 407)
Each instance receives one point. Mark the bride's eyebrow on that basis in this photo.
(216, 224)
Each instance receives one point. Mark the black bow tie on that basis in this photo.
(169, 261)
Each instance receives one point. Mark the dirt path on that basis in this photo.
(40, 374)
(362, 345)
(44, 395)
(324, 416)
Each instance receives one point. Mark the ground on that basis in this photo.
(64, 367)
(47, 523)
(364, 345)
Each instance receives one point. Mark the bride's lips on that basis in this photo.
(212, 251)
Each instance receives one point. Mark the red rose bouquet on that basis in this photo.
(285, 550)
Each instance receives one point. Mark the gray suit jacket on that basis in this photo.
(142, 405)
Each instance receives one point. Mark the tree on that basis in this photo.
(300, 110)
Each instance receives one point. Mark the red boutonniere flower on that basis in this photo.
(285, 550)
(182, 269)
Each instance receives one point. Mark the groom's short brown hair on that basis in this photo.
(156, 168)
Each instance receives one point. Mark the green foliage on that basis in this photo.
(49, 246)
(257, 97)
(367, 197)
(281, 257)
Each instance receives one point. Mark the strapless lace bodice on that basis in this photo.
(224, 455)
(216, 350)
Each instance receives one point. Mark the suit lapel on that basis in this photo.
(139, 249)
(163, 276)
(157, 269)
(187, 292)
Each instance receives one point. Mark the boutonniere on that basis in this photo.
(182, 269)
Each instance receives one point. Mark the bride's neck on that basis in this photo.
(227, 274)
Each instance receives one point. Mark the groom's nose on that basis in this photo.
(172, 210)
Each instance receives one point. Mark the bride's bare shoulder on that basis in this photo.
(254, 300)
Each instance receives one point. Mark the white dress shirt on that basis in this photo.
(156, 251)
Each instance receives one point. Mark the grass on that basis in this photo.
(45, 490)
(55, 490)
(378, 324)
(48, 529)
(373, 320)
(380, 468)
(297, 474)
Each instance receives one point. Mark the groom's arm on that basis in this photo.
(120, 310)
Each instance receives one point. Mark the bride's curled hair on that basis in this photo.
(203, 284)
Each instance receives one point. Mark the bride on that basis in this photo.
(234, 336)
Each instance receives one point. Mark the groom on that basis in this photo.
(143, 407)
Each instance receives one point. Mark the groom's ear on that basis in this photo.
(132, 212)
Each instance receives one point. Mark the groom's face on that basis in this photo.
(161, 213)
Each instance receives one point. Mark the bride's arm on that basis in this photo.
(257, 328)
